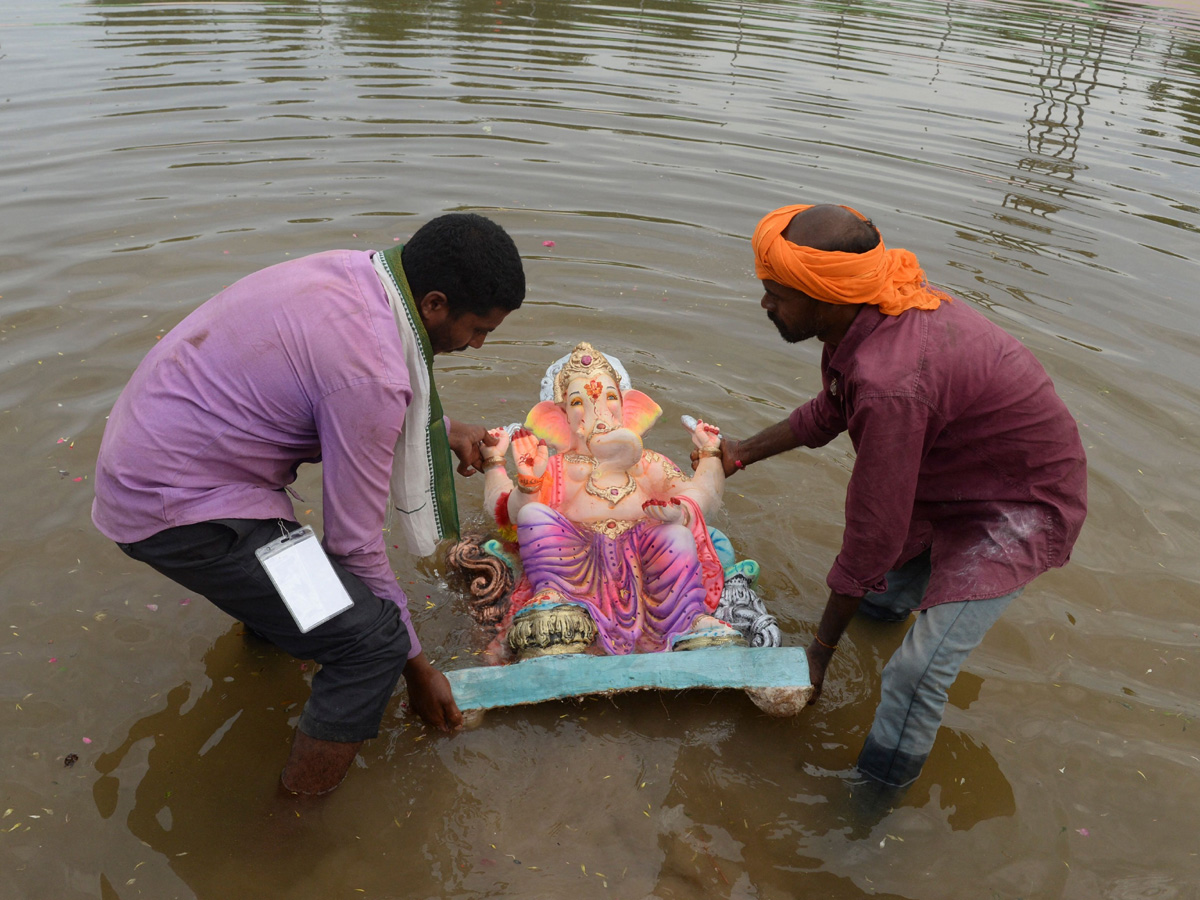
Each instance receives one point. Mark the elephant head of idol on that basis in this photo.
(591, 415)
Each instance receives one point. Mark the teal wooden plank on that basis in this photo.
(556, 677)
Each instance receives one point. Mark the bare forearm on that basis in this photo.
(774, 439)
(839, 610)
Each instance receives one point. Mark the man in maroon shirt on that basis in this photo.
(969, 479)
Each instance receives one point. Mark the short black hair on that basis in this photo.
(470, 259)
(859, 237)
(829, 226)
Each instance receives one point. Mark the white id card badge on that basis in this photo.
(304, 577)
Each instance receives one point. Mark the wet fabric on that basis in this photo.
(962, 448)
(362, 651)
(916, 680)
(297, 363)
(422, 481)
(891, 280)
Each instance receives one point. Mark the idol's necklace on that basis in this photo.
(611, 495)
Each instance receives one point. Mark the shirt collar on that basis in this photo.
(868, 319)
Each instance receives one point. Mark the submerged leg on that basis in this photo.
(362, 651)
(915, 685)
(315, 766)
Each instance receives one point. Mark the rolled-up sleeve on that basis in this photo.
(817, 422)
(890, 435)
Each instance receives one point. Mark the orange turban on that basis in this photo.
(890, 279)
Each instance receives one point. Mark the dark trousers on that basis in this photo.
(362, 651)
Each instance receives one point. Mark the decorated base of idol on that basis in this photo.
(603, 575)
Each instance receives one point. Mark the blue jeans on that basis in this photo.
(917, 678)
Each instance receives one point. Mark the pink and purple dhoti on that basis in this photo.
(643, 584)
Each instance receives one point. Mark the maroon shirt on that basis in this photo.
(962, 445)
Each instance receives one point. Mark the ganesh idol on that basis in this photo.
(613, 547)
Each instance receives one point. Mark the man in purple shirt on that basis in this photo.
(328, 359)
(969, 478)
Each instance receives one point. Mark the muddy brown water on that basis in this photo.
(1042, 159)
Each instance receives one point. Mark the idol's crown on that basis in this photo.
(585, 362)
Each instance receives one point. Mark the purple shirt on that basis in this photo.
(962, 445)
(300, 362)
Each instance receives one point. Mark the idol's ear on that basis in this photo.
(639, 412)
(548, 421)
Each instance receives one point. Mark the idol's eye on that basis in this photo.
(577, 401)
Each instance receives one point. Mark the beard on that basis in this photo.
(792, 337)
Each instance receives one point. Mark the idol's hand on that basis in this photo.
(706, 437)
(707, 442)
(664, 510)
(531, 454)
(494, 444)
